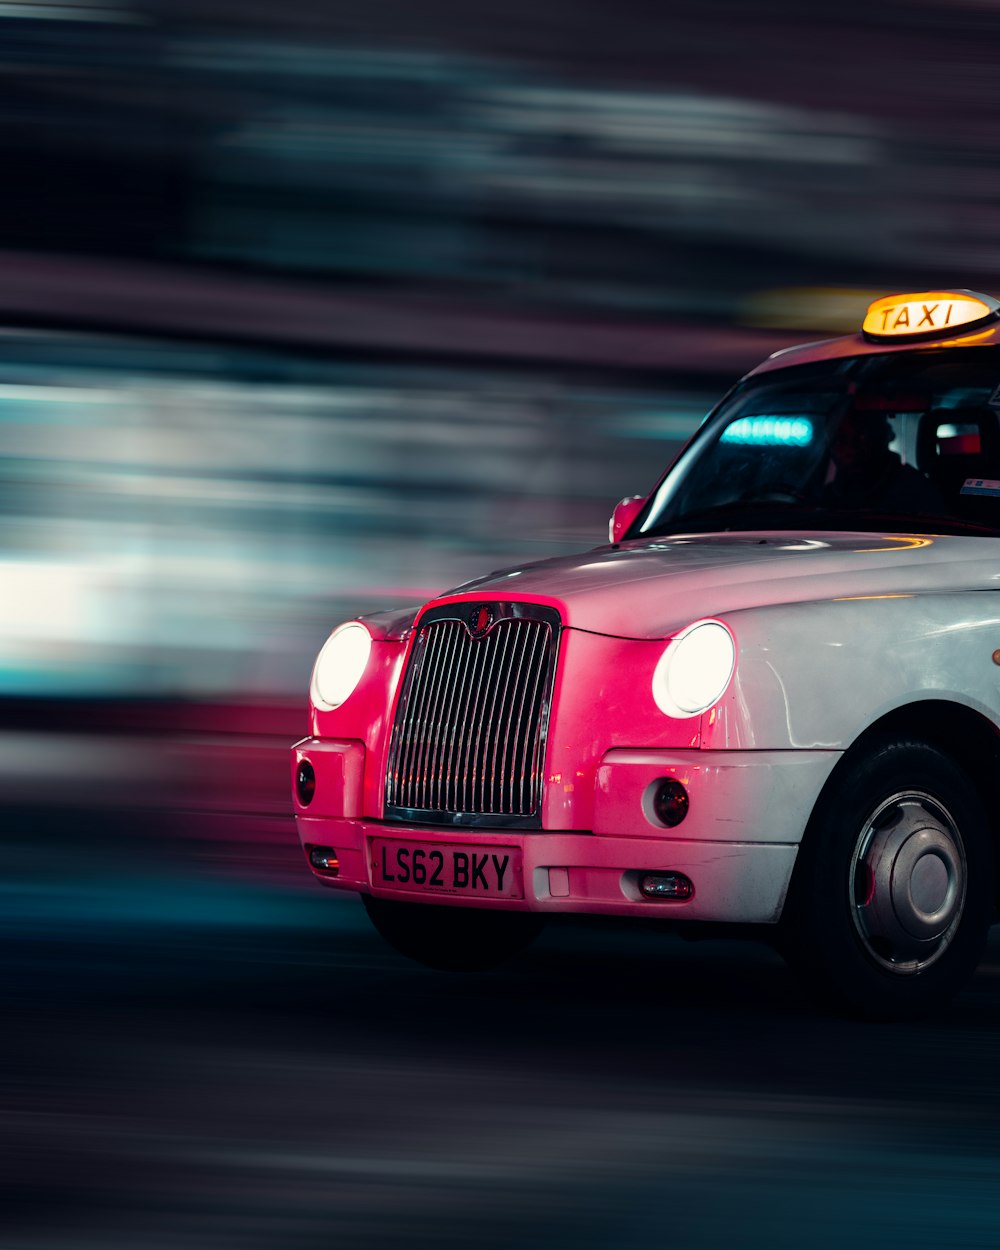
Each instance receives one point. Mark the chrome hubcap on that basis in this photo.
(907, 882)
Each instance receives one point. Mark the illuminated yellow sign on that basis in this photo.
(928, 313)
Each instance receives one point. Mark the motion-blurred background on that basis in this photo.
(316, 308)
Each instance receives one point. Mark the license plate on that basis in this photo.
(490, 872)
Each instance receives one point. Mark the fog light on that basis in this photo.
(305, 782)
(670, 885)
(670, 803)
(324, 859)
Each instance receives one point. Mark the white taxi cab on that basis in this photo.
(771, 701)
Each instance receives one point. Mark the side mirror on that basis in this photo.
(624, 514)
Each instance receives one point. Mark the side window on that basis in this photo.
(957, 445)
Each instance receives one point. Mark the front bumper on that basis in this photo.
(748, 810)
(577, 872)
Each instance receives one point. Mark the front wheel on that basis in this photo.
(892, 897)
(453, 939)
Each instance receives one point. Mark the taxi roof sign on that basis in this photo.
(928, 315)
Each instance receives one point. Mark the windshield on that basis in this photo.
(901, 442)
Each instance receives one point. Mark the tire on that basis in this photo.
(452, 939)
(893, 893)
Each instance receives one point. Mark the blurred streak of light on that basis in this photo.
(430, 161)
(676, 163)
(43, 601)
(161, 299)
(823, 309)
(180, 523)
(669, 123)
(53, 11)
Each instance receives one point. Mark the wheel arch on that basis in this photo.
(966, 736)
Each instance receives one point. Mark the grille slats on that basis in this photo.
(480, 781)
(519, 774)
(486, 756)
(510, 738)
(428, 716)
(468, 739)
(464, 685)
(503, 727)
(464, 771)
(443, 738)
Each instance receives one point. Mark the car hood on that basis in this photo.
(651, 588)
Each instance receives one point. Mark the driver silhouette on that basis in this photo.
(867, 475)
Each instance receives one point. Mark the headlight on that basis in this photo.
(340, 664)
(695, 669)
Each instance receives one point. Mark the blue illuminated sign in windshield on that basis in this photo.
(770, 432)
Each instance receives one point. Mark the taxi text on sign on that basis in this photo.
(927, 313)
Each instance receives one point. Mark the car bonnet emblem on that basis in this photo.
(479, 621)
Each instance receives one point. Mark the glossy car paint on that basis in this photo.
(833, 632)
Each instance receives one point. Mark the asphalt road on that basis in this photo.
(193, 1060)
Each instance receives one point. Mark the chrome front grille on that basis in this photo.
(469, 736)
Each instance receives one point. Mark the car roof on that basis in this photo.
(984, 332)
